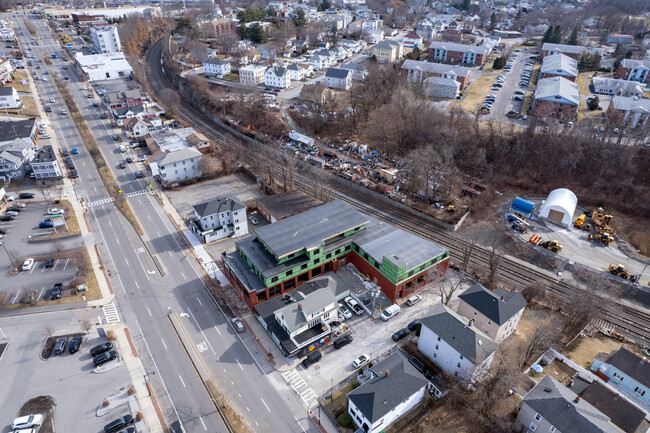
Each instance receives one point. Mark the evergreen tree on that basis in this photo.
(548, 35)
(573, 39)
(465, 6)
(256, 34)
(299, 19)
(493, 21)
(326, 5)
(557, 35)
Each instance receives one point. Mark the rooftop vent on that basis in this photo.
(549, 390)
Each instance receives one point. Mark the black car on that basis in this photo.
(15, 209)
(413, 325)
(7, 218)
(66, 153)
(400, 334)
(26, 195)
(75, 342)
(346, 339)
(94, 104)
(102, 116)
(66, 77)
(122, 164)
(129, 160)
(104, 358)
(57, 291)
(105, 347)
(59, 346)
(312, 358)
(3, 231)
(115, 137)
(49, 262)
(118, 424)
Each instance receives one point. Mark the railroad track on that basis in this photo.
(633, 323)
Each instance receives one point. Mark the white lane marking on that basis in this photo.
(158, 234)
(40, 294)
(109, 223)
(95, 188)
(127, 262)
(18, 293)
(217, 330)
(163, 342)
(204, 427)
(170, 254)
(55, 263)
(202, 333)
(267, 408)
(200, 303)
(84, 163)
(33, 267)
(89, 176)
(118, 241)
(110, 312)
(66, 264)
(149, 217)
(136, 284)
(179, 376)
(149, 311)
(303, 429)
(247, 407)
(239, 364)
(42, 269)
(184, 277)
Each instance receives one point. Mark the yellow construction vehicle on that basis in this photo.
(580, 221)
(620, 271)
(552, 245)
(602, 222)
(605, 238)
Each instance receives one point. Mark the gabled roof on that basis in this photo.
(435, 68)
(631, 364)
(622, 413)
(498, 306)
(440, 81)
(557, 404)
(337, 73)
(296, 313)
(617, 85)
(451, 46)
(630, 103)
(558, 89)
(178, 156)
(218, 205)
(635, 63)
(277, 70)
(573, 49)
(412, 36)
(559, 65)
(394, 381)
(454, 330)
(215, 61)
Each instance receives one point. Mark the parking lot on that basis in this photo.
(68, 378)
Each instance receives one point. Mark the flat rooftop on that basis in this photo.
(310, 229)
(288, 204)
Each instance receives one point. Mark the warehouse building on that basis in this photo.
(285, 254)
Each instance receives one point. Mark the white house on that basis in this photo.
(177, 166)
(276, 76)
(44, 165)
(251, 75)
(340, 53)
(9, 98)
(106, 39)
(338, 78)
(352, 45)
(15, 157)
(218, 67)
(412, 40)
(441, 87)
(219, 218)
(455, 345)
(395, 387)
(374, 36)
(319, 62)
(496, 313)
(617, 87)
(136, 127)
(296, 72)
(5, 70)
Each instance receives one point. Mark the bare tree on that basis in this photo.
(467, 250)
(57, 243)
(171, 99)
(534, 292)
(86, 325)
(494, 261)
(228, 43)
(495, 385)
(14, 257)
(446, 289)
(547, 333)
(579, 310)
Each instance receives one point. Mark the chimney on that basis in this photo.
(616, 396)
(300, 307)
(577, 399)
(387, 373)
(503, 298)
(471, 322)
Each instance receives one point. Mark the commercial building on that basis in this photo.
(116, 101)
(44, 165)
(557, 98)
(617, 38)
(117, 12)
(417, 71)
(9, 98)
(285, 254)
(251, 75)
(559, 66)
(218, 67)
(634, 70)
(628, 112)
(449, 52)
(219, 218)
(100, 67)
(106, 39)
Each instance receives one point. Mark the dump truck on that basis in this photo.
(605, 238)
(549, 245)
(619, 270)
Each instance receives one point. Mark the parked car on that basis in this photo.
(102, 116)
(75, 343)
(400, 334)
(346, 339)
(122, 148)
(59, 346)
(45, 225)
(122, 164)
(56, 211)
(95, 104)
(517, 98)
(49, 262)
(57, 291)
(138, 174)
(344, 311)
(104, 358)
(104, 347)
(3, 231)
(312, 358)
(413, 325)
(66, 152)
(118, 424)
(354, 306)
(46, 136)
(52, 100)
(28, 264)
(414, 299)
(75, 151)
(361, 361)
(7, 218)
(236, 323)
(64, 111)
(27, 421)
(25, 195)
(253, 220)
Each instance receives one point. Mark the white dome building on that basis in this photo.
(559, 207)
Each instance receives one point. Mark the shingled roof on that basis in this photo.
(218, 205)
(498, 306)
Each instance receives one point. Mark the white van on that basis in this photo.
(390, 312)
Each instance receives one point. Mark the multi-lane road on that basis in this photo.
(144, 297)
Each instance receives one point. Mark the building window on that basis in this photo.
(538, 417)
(438, 338)
(618, 376)
(461, 357)
(552, 429)
(289, 272)
(304, 266)
(274, 279)
(475, 312)
(328, 256)
(639, 391)
(533, 426)
(437, 347)
(435, 355)
(458, 365)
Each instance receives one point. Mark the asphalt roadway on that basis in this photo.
(144, 297)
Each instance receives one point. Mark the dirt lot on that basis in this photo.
(589, 347)
(447, 417)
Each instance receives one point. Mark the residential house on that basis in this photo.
(296, 72)
(44, 165)
(617, 38)
(628, 111)
(556, 98)
(412, 40)
(9, 98)
(426, 30)
(15, 157)
(278, 77)
(218, 67)
(497, 312)
(332, 60)
(340, 53)
(559, 66)
(359, 72)
(338, 78)
(136, 127)
(176, 166)
(395, 387)
(5, 70)
(634, 70)
(374, 36)
(127, 99)
(440, 87)
(455, 345)
(219, 218)
(626, 371)
(552, 407)
(200, 142)
(387, 51)
(352, 46)
(400, 22)
(251, 75)
(319, 62)
(418, 71)
(450, 52)
(617, 87)
(573, 51)
(270, 50)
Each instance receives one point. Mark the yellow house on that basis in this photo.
(387, 51)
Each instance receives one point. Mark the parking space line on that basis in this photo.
(127, 262)
(215, 327)
(267, 408)
(303, 429)
(184, 277)
(19, 290)
(42, 269)
(149, 311)
(66, 264)
(179, 376)
(200, 303)
(40, 294)
(163, 342)
(204, 427)
(33, 267)
(149, 217)
(239, 364)
(55, 263)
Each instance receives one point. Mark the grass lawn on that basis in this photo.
(583, 82)
(476, 92)
(70, 218)
(233, 77)
(588, 347)
(16, 84)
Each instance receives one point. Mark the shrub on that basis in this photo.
(110, 336)
(344, 420)
(138, 416)
(105, 403)
(131, 390)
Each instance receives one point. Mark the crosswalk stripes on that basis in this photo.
(299, 385)
(136, 193)
(110, 312)
(102, 201)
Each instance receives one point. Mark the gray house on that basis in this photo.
(15, 157)
(338, 78)
(219, 218)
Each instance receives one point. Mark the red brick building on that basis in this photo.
(556, 98)
(634, 70)
(460, 54)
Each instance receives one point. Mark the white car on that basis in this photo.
(354, 306)
(28, 264)
(52, 100)
(414, 299)
(10, 198)
(46, 136)
(253, 220)
(143, 158)
(122, 148)
(56, 211)
(361, 361)
(344, 311)
(27, 421)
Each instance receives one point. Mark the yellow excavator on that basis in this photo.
(619, 270)
(605, 238)
(602, 222)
